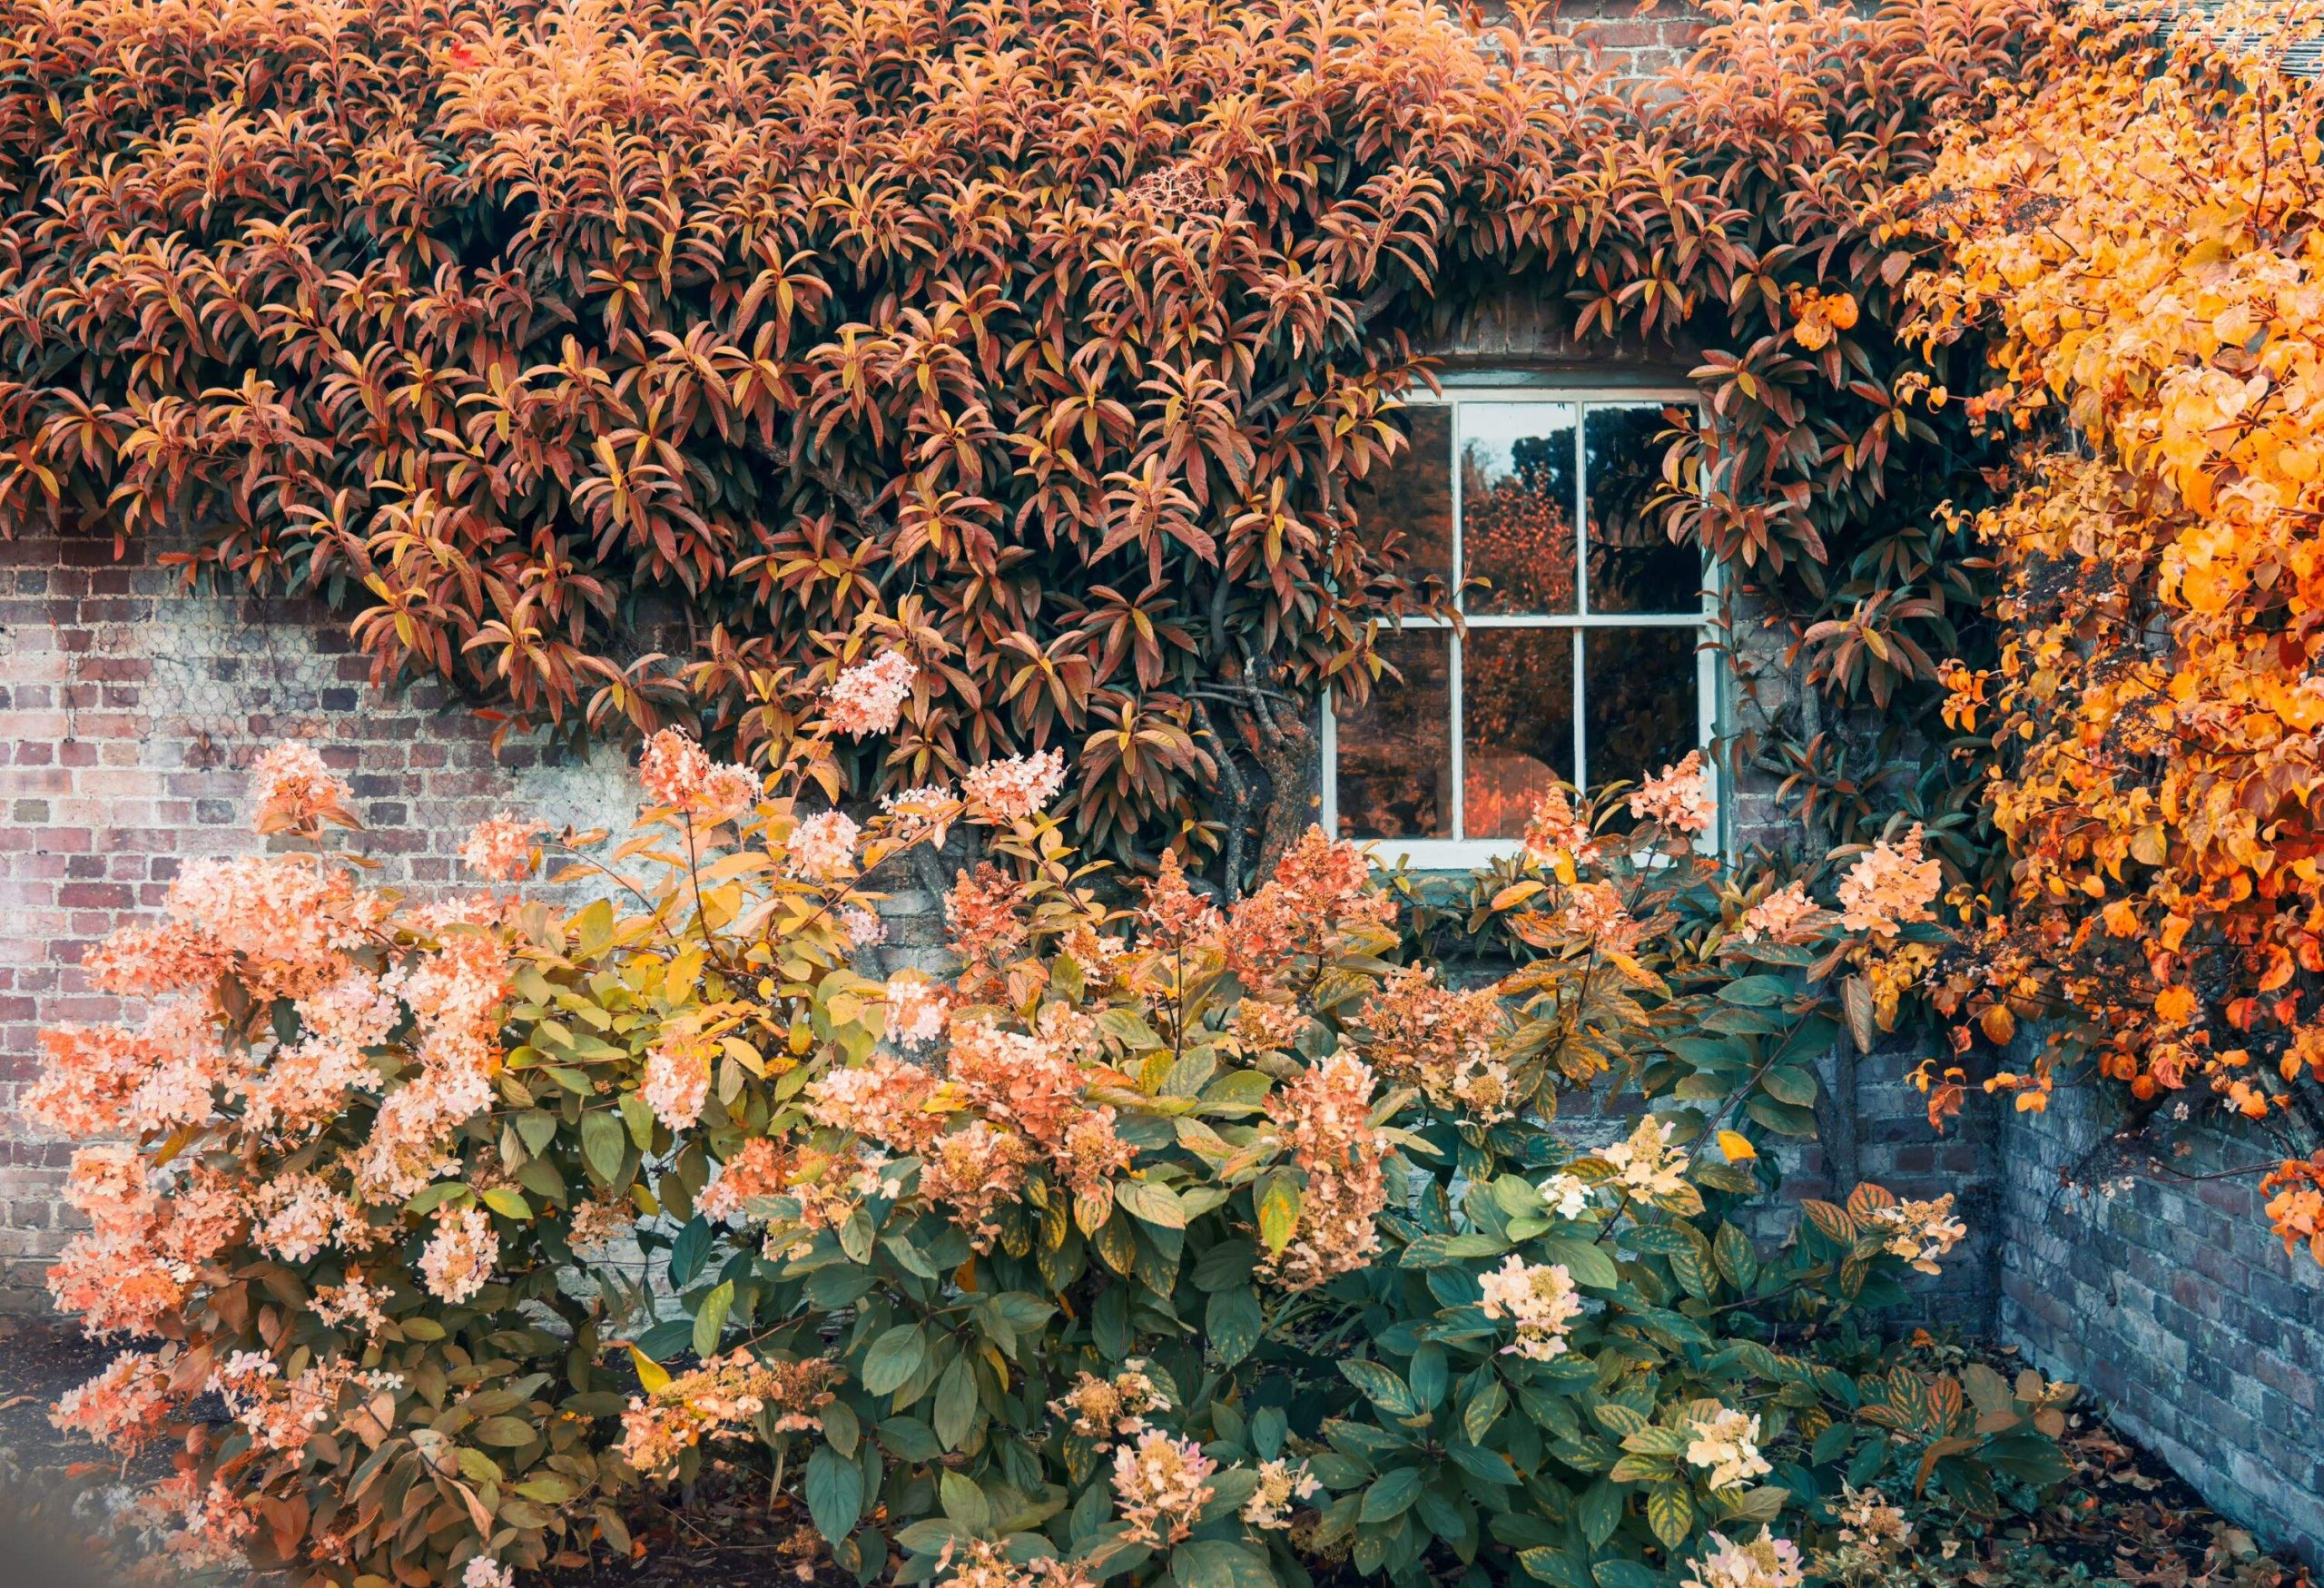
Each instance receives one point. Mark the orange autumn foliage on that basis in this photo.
(2137, 231)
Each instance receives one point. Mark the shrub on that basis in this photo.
(1218, 1245)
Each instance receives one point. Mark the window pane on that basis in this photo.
(1638, 700)
(1634, 566)
(1517, 695)
(1517, 499)
(1395, 750)
(1413, 495)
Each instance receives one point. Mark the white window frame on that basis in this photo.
(1468, 854)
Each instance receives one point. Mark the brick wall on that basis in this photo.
(2166, 1296)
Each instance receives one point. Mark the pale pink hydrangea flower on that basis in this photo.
(823, 846)
(679, 774)
(1677, 798)
(296, 1216)
(869, 698)
(293, 789)
(484, 1572)
(1766, 1562)
(459, 1257)
(1557, 835)
(1646, 1164)
(1890, 888)
(353, 1301)
(1725, 1445)
(123, 1408)
(1540, 1299)
(1161, 1484)
(915, 1010)
(677, 1081)
(1919, 1232)
(1281, 1482)
(1786, 915)
(1106, 1409)
(864, 929)
(1595, 911)
(1012, 790)
(501, 850)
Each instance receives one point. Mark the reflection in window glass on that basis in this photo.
(1639, 693)
(1395, 750)
(1413, 494)
(1517, 503)
(1634, 566)
(1517, 706)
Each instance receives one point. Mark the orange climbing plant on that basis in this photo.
(2137, 231)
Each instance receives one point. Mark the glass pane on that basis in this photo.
(1638, 700)
(1413, 494)
(1634, 566)
(1395, 750)
(1517, 695)
(1516, 505)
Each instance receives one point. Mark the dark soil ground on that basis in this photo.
(2124, 1518)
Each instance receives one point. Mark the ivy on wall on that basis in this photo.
(654, 359)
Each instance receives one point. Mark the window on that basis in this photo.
(1584, 659)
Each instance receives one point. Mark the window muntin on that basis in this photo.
(1584, 662)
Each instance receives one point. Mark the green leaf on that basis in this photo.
(690, 1251)
(1218, 1563)
(637, 1114)
(908, 1439)
(834, 1485)
(965, 1503)
(508, 1202)
(1484, 1410)
(1789, 1085)
(1755, 991)
(894, 1358)
(956, 1402)
(1601, 1512)
(1386, 1390)
(1621, 1574)
(1670, 1512)
(1618, 1419)
(507, 1432)
(1585, 1261)
(1832, 1444)
(1154, 1203)
(711, 1320)
(1428, 1377)
(1233, 1321)
(1736, 1257)
(1391, 1494)
(602, 1145)
(1559, 1567)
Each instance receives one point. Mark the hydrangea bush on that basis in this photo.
(1151, 1242)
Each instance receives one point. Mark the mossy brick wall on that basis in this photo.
(2165, 1294)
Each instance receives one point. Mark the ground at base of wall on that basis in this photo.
(2122, 1518)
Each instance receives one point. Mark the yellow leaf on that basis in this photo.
(1737, 1146)
(650, 1373)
